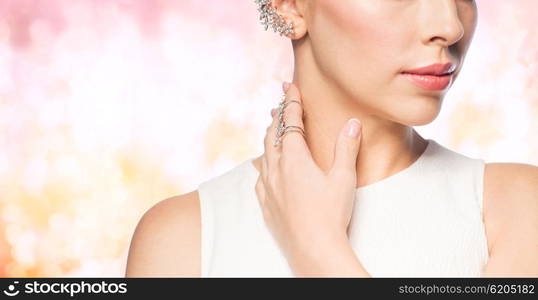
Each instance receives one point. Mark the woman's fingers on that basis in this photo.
(347, 147)
(293, 142)
(264, 168)
(260, 191)
(271, 153)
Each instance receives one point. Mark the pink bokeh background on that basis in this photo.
(107, 107)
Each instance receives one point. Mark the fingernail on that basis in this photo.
(273, 112)
(285, 86)
(353, 128)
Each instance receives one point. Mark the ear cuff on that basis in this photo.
(269, 17)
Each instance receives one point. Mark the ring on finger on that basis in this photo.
(291, 130)
(283, 105)
(281, 127)
(286, 129)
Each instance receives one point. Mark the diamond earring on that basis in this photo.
(269, 17)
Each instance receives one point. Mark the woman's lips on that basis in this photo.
(434, 77)
(430, 82)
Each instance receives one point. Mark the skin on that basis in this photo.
(348, 56)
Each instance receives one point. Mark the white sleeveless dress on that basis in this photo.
(424, 221)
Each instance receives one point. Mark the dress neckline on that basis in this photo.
(412, 167)
(431, 144)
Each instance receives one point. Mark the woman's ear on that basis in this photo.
(293, 12)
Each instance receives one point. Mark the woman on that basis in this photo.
(346, 186)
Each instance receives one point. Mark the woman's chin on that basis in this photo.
(422, 117)
(418, 111)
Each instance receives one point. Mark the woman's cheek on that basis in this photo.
(349, 17)
(365, 26)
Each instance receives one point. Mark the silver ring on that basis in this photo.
(284, 104)
(283, 130)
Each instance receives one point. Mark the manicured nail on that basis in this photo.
(285, 86)
(352, 128)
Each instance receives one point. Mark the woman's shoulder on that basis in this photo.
(510, 184)
(511, 205)
(166, 241)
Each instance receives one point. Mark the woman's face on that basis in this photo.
(362, 46)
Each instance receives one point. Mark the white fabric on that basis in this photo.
(424, 221)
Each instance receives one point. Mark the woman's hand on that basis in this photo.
(306, 209)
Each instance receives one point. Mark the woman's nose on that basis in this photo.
(441, 22)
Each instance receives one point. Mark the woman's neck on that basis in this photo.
(386, 147)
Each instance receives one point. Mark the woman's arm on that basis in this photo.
(166, 242)
(337, 259)
(511, 217)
